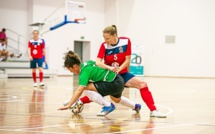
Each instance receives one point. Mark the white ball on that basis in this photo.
(77, 107)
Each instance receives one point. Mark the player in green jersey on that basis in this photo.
(93, 78)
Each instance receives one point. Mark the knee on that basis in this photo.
(40, 69)
(86, 92)
(116, 100)
(142, 84)
(33, 70)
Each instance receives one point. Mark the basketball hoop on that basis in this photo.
(80, 20)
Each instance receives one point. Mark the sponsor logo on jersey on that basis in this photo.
(110, 52)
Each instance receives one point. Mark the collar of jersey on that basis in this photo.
(83, 65)
(116, 43)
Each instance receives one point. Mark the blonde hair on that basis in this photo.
(110, 30)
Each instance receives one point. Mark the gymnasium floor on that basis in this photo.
(189, 103)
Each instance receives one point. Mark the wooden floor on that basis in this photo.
(189, 104)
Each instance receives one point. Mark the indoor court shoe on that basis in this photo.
(157, 114)
(106, 110)
(35, 85)
(137, 108)
(19, 56)
(41, 84)
(12, 55)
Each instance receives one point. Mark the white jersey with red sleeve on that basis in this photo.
(2, 47)
(115, 53)
(37, 47)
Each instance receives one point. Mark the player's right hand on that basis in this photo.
(64, 108)
(31, 58)
(115, 69)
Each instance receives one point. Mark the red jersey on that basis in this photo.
(116, 52)
(36, 48)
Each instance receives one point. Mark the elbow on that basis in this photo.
(98, 62)
(80, 91)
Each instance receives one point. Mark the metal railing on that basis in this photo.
(16, 41)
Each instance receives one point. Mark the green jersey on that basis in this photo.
(91, 73)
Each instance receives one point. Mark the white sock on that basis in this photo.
(126, 102)
(96, 97)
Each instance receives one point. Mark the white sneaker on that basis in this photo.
(35, 85)
(41, 84)
(157, 114)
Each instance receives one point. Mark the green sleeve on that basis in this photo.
(83, 79)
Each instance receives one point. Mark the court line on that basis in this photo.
(49, 126)
(9, 130)
(9, 97)
(170, 111)
(136, 130)
(156, 128)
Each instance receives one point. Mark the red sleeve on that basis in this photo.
(101, 52)
(128, 52)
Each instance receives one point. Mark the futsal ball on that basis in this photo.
(77, 107)
(115, 64)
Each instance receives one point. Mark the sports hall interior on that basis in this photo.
(176, 41)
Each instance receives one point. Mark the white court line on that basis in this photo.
(9, 97)
(155, 128)
(49, 126)
(9, 130)
(170, 111)
(13, 100)
(54, 95)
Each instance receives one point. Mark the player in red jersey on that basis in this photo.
(36, 50)
(116, 53)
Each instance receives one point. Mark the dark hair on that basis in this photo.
(4, 40)
(71, 59)
(110, 30)
(3, 29)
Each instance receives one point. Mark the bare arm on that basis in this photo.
(44, 53)
(29, 53)
(102, 64)
(74, 98)
(116, 69)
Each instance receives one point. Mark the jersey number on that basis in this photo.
(115, 57)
